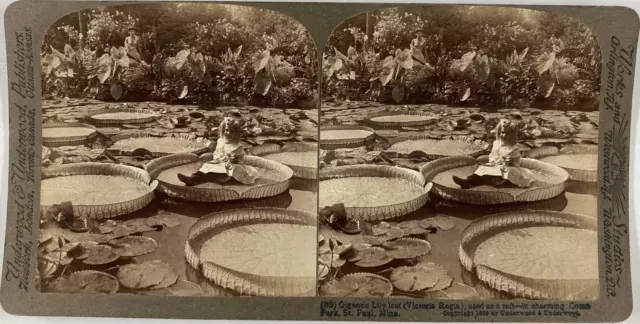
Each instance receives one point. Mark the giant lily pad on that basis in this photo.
(580, 161)
(96, 190)
(131, 246)
(145, 275)
(67, 134)
(92, 282)
(441, 222)
(273, 179)
(561, 260)
(121, 116)
(158, 146)
(302, 158)
(332, 137)
(402, 119)
(437, 148)
(373, 192)
(549, 182)
(358, 285)
(257, 251)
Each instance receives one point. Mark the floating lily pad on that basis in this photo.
(107, 227)
(99, 254)
(380, 228)
(358, 285)
(180, 288)
(441, 222)
(169, 280)
(444, 281)
(144, 275)
(414, 278)
(323, 271)
(59, 257)
(356, 252)
(131, 246)
(138, 225)
(163, 220)
(373, 257)
(331, 259)
(406, 248)
(438, 148)
(160, 146)
(393, 234)
(94, 282)
(412, 227)
(84, 252)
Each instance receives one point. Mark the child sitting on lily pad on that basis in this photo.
(504, 162)
(228, 157)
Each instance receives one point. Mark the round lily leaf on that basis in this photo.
(331, 259)
(355, 254)
(381, 229)
(180, 288)
(343, 249)
(413, 278)
(358, 285)
(373, 257)
(406, 248)
(163, 220)
(107, 227)
(44, 237)
(444, 281)
(99, 254)
(83, 252)
(392, 234)
(169, 280)
(138, 225)
(412, 227)
(442, 222)
(131, 246)
(46, 268)
(144, 275)
(95, 282)
(58, 257)
(118, 232)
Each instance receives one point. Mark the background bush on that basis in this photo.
(452, 31)
(167, 29)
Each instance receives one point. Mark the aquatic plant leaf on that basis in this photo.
(546, 84)
(441, 222)
(380, 228)
(373, 257)
(392, 234)
(170, 278)
(131, 246)
(107, 227)
(358, 285)
(144, 275)
(261, 61)
(323, 271)
(182, 288)
(119, 55)
(181, 59)
(116, 91)
(465, 94)
(356, 252)
(398, 93)
(46, 268)
(263, 81)
(406, 248)
(414, 278)
(545, 61)
(387, 70)
(83, 251)
(412, 227)
(167, 220)
(405, 59)
(138, 225)
(99, 254)
(58, 257)
(92, 282)
(331, 259)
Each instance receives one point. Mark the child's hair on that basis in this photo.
(234, 122)
(508, 128)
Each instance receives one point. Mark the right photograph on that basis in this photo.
(458, 156)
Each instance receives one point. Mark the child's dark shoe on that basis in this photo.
(463, 183)
(187, 180)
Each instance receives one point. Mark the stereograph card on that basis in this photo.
(327, 161)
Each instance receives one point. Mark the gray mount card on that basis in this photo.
(326, 161)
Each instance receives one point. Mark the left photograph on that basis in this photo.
(179, 152)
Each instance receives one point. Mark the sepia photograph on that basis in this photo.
(458, 156)
(179, 152)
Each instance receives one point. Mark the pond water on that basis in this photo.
(579, 198)
(302, 195)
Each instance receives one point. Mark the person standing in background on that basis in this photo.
(132, 45)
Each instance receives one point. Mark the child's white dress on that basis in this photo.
(501, 155)
(228, 158)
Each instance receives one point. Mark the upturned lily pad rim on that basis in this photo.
(431, 169)
(575, 174)
(206, 144)
(521, 287)
(434, 118)
(101, 211)
(332, 144)
(298, 171)
(68, 140)
(381, 212)
(141, 120)
(156, 166)
(483, 146)
(245, 283)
